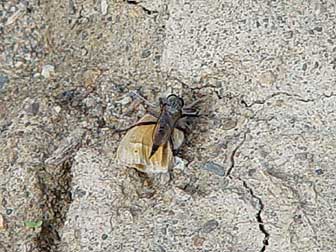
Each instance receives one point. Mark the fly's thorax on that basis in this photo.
(172, 104)
(170, 118)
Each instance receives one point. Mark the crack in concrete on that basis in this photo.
(233, 153)
(258, 199)
(329, 95)
(56, 188)
(258, 215)
(261, 102)
(147, 11)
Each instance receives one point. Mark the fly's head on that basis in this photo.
(172, 104)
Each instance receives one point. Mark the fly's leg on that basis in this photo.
(151, 108)
(143, 99)
(191, 114)
(193, 104)
(153, 112)
(175, 151)
(183, 124)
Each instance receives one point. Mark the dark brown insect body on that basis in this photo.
(171, 112)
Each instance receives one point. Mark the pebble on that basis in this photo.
(198, 241)
(146, 53)
(267, 78)
(319, 171)
(229, 124)
(104, 7)
(67, 97)
(79, 193)
(3, 81)
(210, 226)
(214, 168)
(32, 108)
(36, 75)
(9, 211)
(180, 163)
(47, 71)
(35, 108)
(57, 109)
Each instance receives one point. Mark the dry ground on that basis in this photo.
(257, 173)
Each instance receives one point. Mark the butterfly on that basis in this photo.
(150, 144)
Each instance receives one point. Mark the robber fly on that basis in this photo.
(150, 144)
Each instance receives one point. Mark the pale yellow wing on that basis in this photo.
(134, 150)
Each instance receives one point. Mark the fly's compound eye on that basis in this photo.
(175, 101)
(181, 102)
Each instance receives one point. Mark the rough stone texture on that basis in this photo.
(115, 210)
(258, 171)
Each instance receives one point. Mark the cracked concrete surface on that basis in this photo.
(258, 171)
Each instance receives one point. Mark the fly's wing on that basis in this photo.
(134, 150)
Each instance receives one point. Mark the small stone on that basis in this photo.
(35, 108)
(251, 172)
(257, 24)
(229, 124)
(3, 81)
(104, 7)
(104, 236)
(302, 156)
(32, 108)
(78, 193)
(90, 76)
(298, 219)
(319, 171)
(66, 97)
(179, 163)
(57, 109)
(145, 53)
(214, 168)
(47, 71)
(267, 78)
(9, 211)
(210, 226)
(84, 51)
(304, 67)
(198, 241)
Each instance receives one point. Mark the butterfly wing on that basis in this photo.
(135, 147)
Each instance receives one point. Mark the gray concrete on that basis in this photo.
(256, 174)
